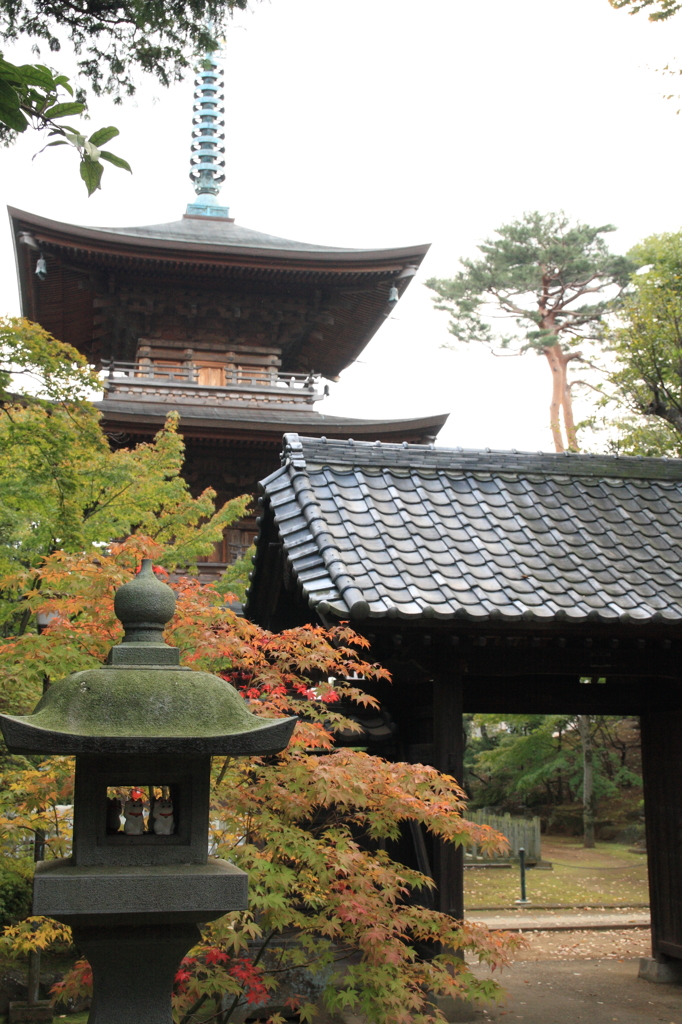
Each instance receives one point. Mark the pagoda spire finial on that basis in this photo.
(208, 152)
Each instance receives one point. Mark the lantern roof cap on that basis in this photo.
(143, 701)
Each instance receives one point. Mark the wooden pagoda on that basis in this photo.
(233, 328)
(499, 582)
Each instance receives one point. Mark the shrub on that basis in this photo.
(16, 894)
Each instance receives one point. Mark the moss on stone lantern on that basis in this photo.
(142, 729)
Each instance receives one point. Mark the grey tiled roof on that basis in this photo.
(416, 531)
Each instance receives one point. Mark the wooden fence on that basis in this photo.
(521, 832)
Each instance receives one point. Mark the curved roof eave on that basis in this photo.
(222, 418)
(220, 241)
(420, 533)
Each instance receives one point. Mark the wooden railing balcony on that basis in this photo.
(245, 386)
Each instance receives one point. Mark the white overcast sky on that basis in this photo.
(371, 123)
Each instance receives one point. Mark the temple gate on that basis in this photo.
(495, 582)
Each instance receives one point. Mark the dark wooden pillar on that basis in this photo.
(448, 751)
(662, 771)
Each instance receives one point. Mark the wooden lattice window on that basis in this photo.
(235, 542)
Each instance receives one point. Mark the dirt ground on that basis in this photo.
(582, 977)
(596, 991)
(625, 944)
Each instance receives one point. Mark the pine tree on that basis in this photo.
(554, 280)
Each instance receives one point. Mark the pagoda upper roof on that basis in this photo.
(211, 240)
(220, 231)
(344, 294)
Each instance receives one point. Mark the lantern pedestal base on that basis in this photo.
(113, 895)
(133, 970)
(41, 1012)
(135, 924)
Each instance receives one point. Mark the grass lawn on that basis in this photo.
(608, 874)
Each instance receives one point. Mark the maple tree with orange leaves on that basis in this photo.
(307, 825)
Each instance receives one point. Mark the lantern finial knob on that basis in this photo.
(144, 605)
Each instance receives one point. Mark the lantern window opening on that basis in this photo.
(150, 810)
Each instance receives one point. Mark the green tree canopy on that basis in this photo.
(61, 485)
(647, 342)
(554, 281)
(38, 369)
(658, 10)
(533, 760)
(115, 41)
(31, 96)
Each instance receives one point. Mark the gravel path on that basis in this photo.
(550, 920)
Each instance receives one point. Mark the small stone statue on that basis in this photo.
(164, 824)
(113, 814)
(133, 813)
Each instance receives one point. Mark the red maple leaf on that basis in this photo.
(215, 956)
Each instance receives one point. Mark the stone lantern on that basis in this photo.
(143, 730)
